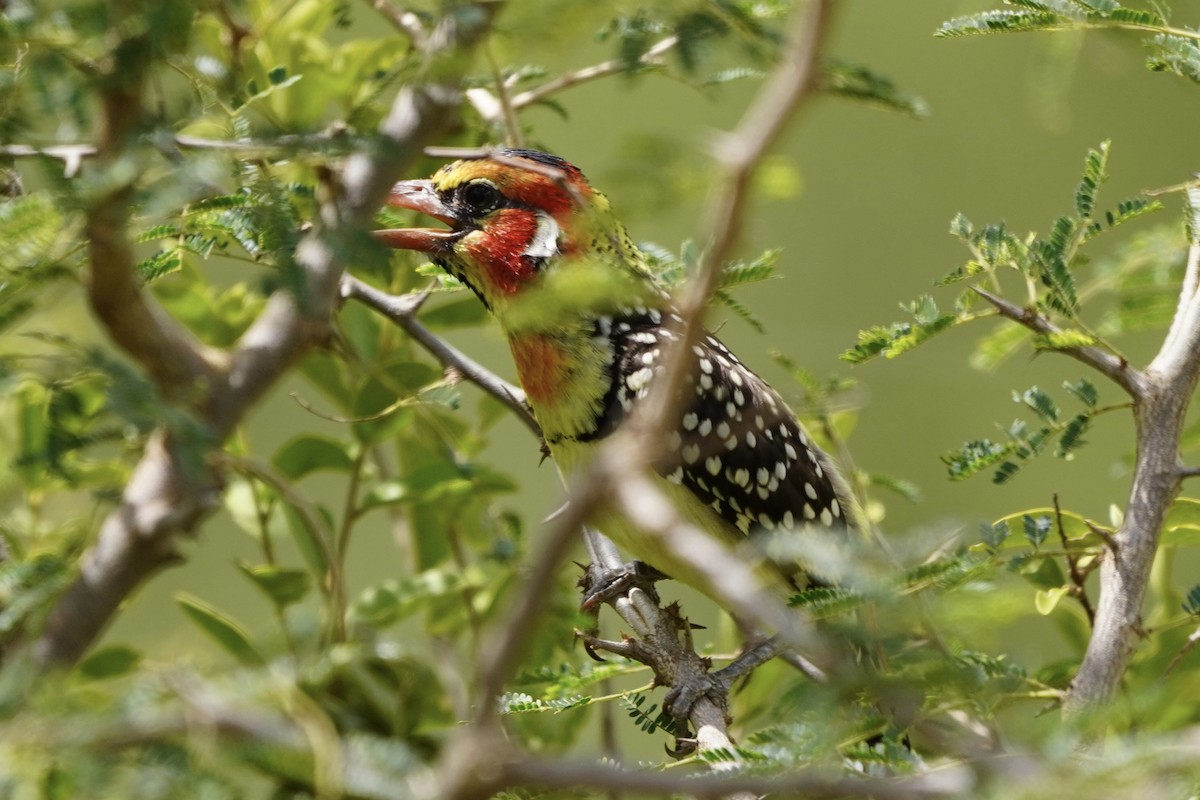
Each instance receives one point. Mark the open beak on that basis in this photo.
(419, 196)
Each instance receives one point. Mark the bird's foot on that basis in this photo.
(680, 701)
(602, 585)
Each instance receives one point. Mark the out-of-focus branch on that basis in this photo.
(405, 21)
(737, 155)
(168, 493)
(651, 57)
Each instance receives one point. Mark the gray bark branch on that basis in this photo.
(1160, 407)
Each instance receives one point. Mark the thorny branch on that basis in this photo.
(1160, 407)
(1113, 367)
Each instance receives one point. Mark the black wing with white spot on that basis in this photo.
(739, 448)
(742, 451)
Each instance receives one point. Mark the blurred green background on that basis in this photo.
(860, 200)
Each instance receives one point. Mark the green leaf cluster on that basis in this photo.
(1023, 442)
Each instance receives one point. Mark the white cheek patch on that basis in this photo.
(545, 239)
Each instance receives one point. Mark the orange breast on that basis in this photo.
(541, 367)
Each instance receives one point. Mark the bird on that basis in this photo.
(588, 323)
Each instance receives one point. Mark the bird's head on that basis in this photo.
(523, 224)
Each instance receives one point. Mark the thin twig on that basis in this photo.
(403, 20)
(1078, 579)
(651, 57)
(1107, 364)
(402, 311)
(1188, 646)
(333, 585)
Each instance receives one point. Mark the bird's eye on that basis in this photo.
(480, 197)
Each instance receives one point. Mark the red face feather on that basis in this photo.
(500, 248)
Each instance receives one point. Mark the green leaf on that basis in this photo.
(1084, 390)
(1181, 528)
(1095, 172)
(1001, 343)
(1131, 209)
(1043, 573)
(906, 489)
(995, 534)
(1063, 340)
(973, 457)
(1072, 435)
(822, 602)
(740, 273)
(1175, 54)
(1036, 528)
(1040, 402)
(1045, 600)
(392, 601)
(308, 539)
(161, 263)
(109, 662)
(857, 82)
(221, 628)
(1074, 526)
(734, 305)
(1192, 603)
(961, 227)
(1000, 22)
(281, 585)
(308, 453)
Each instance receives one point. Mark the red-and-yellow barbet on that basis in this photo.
(588, 324)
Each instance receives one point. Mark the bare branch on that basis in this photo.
(562, 774)
(1104, 362)
(402, 311)
(72, 155)
(404, 21)
(1160, 408)
(652, 57)
(1187, 292)
(1188, 646)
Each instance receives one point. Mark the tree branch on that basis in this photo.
(402, 311)
(652, 57)
(404, 21)
(1116, 369)
(1160, 408)
(167, 494)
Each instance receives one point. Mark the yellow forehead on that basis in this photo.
(501, 175)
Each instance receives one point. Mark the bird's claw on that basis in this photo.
(684, 747)
(601, 585)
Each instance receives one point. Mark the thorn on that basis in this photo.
(555, 514)
(1105, 535)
